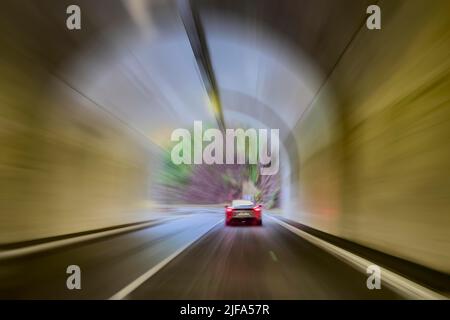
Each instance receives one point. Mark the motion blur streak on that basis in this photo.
(85, 124)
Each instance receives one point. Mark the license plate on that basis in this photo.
(243, 214)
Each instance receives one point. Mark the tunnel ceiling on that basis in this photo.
(319, 28)
(279, 65)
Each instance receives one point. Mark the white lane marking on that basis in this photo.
(402, 285)
(147, 275)
(15, 253)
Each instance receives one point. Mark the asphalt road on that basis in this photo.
(237, 262)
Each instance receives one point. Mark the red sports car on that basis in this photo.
(243, 211)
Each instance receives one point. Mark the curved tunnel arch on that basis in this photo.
(157, 72)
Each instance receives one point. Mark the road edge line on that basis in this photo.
(152, 271)
(400, 284)
(19, 252)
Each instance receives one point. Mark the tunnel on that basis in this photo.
(87, 122)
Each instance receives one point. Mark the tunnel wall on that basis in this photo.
(66, 164)
(374, 167)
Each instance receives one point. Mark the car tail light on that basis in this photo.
(257, 210)
(229, 211)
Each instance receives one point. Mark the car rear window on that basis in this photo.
(237, 203)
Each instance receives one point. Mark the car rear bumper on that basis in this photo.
(247, 217)
(242, 215)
